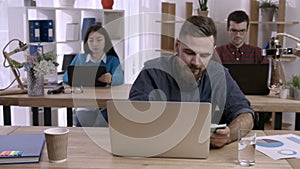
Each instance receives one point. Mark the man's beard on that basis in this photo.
(185, 77)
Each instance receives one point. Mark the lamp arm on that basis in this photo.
(289, 36)
(295, 51)
(15, 71)
(12, 66)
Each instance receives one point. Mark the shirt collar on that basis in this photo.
(233, 48)
(89, 58)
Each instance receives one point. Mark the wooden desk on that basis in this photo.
(273, 104)
(97, 97)
(92, 156)
(277, 105)
(91, 97)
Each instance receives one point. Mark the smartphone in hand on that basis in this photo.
(214, 127)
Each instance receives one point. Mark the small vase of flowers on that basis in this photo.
(37, 65)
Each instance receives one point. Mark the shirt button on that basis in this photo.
(237, 59)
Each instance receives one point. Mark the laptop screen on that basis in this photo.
(251, 78)
(85, 75)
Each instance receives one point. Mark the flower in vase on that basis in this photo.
(41, 63)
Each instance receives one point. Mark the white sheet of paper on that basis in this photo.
(279, 146)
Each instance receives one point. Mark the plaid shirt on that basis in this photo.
(246, 54)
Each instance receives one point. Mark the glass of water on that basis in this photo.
(246, 147)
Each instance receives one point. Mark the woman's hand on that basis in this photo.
(105, 78)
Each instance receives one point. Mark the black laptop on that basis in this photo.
(85, 76)
(251, 78)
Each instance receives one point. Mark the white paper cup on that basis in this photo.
(57, 144)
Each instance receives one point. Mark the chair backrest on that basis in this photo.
(67, 61)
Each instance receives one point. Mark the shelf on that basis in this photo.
(288, 58)
(166, 52)
(171, 21)
(251, 22)
(265, 22)
(275, 23)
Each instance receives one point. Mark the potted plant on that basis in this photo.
(203, 9)
(268, 9)
(268, 4)
(295, 83)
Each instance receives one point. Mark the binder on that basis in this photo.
(34, 30)
(87, 22)
(21, 148)
(35, 49)
(46, 30)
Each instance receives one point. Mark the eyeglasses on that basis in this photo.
(242, 31)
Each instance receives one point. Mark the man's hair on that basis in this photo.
(198, 26)
(237, 17)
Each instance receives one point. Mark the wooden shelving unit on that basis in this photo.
(254, 21)
(168, 11)
(168, 21)
(112, 20)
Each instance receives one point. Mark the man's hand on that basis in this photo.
(220, 137)
(224, 136)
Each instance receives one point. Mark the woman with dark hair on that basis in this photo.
(108, 47)
(98, 50)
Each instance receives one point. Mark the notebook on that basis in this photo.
(159, 129)
(85, 75)
(21, 148)
(251, 78)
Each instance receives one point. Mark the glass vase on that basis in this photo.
(276, 79)
(35, 85)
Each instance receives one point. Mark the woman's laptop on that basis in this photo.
(159, 129)
(85, 75)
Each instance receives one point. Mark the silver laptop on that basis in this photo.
(159, 129)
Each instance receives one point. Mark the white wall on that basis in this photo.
(292, 14)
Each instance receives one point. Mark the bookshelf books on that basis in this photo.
(46, 30)
(41, 30)
(86, 23)
(21, 148)
(34, 31)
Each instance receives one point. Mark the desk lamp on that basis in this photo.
(14, 65)
(276, 79)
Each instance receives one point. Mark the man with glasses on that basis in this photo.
(237, 51)
(194, 76)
